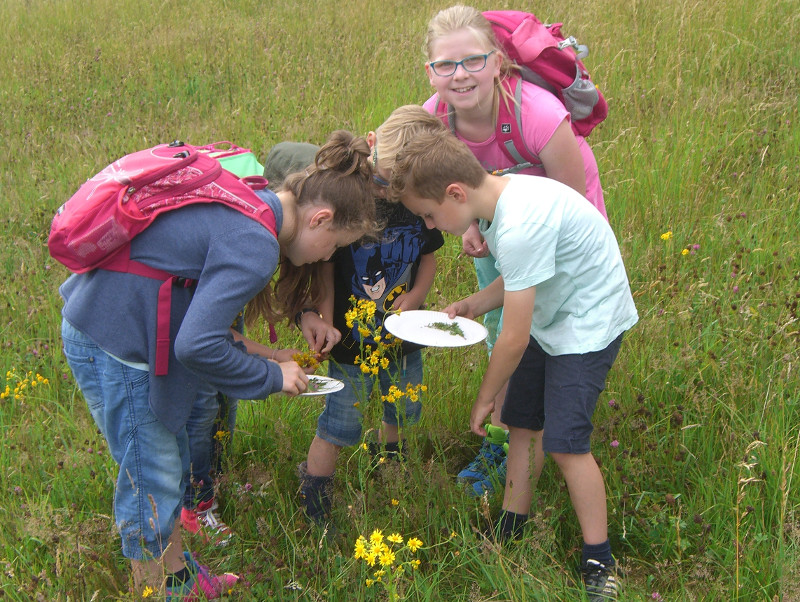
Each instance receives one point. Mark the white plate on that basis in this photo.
(415, 326)
(322, 385)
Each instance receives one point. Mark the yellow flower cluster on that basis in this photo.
(666, 235)
(395, 394)
(362, 316)
(307, 359)
(17, 387)
(363, 312)
(372, 360)
(377, 551)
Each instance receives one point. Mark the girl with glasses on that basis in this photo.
(468, 70)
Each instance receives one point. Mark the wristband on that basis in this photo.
(299, 315)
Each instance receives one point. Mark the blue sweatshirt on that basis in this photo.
(232, 257)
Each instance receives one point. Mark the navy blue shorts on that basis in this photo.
(558, 394)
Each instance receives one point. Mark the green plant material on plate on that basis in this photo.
(448, 327)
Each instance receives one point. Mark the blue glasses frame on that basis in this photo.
(450, 67)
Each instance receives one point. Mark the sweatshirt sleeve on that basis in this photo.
(239, 264)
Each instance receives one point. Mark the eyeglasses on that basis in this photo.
(379, 181)
(472, 63)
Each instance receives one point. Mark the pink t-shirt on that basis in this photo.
(542, 113)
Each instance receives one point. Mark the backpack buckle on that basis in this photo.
(580, 49)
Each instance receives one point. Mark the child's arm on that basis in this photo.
(276, 355)
(562, 160)
(506, 353)
(414, 298)
(479, 303)
(318, 329)
(472, 242)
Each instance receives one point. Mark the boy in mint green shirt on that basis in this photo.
(566, 304)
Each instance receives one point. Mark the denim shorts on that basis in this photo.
(558, 394)
(340, 421)
(153, 462)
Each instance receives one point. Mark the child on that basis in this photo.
(108, 330)
(396, 272)
(468, 69)
(209, 429)
(563, 286)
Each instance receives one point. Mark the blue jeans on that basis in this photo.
(211, 412)
(153, 462)
(340, 421)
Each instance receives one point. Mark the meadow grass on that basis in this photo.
(699, 430)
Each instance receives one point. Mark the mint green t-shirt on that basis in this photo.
(547, 235)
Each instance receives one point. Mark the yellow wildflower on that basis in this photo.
(361, 548)
(387, 558)
(395, 538)
(376, 537)
(667, 235)
(414, 544)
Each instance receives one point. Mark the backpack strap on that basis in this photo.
(122, 262)
(508, 133)
(509, 129)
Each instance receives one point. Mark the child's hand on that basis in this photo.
(295, 380)
(283, 355)
(472, 242)
(320, 336)
(481, 409)
(459, 308)
(407, 302)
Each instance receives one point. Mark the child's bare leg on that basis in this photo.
(322, 456)
(587, 492)
(390, 433)
(152, 572)
(522, 470)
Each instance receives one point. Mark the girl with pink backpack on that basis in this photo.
(109, 335)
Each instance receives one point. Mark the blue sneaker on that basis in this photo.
(489, 466)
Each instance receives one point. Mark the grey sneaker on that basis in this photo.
(600, 581)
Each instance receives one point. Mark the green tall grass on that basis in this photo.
(699, 430)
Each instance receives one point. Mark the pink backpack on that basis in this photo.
(548, 60)
(95, 227)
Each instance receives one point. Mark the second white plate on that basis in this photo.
(430, 328)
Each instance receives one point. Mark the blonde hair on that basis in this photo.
(429, 162)
(460, 17)
(401, 126)
(341, 177)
